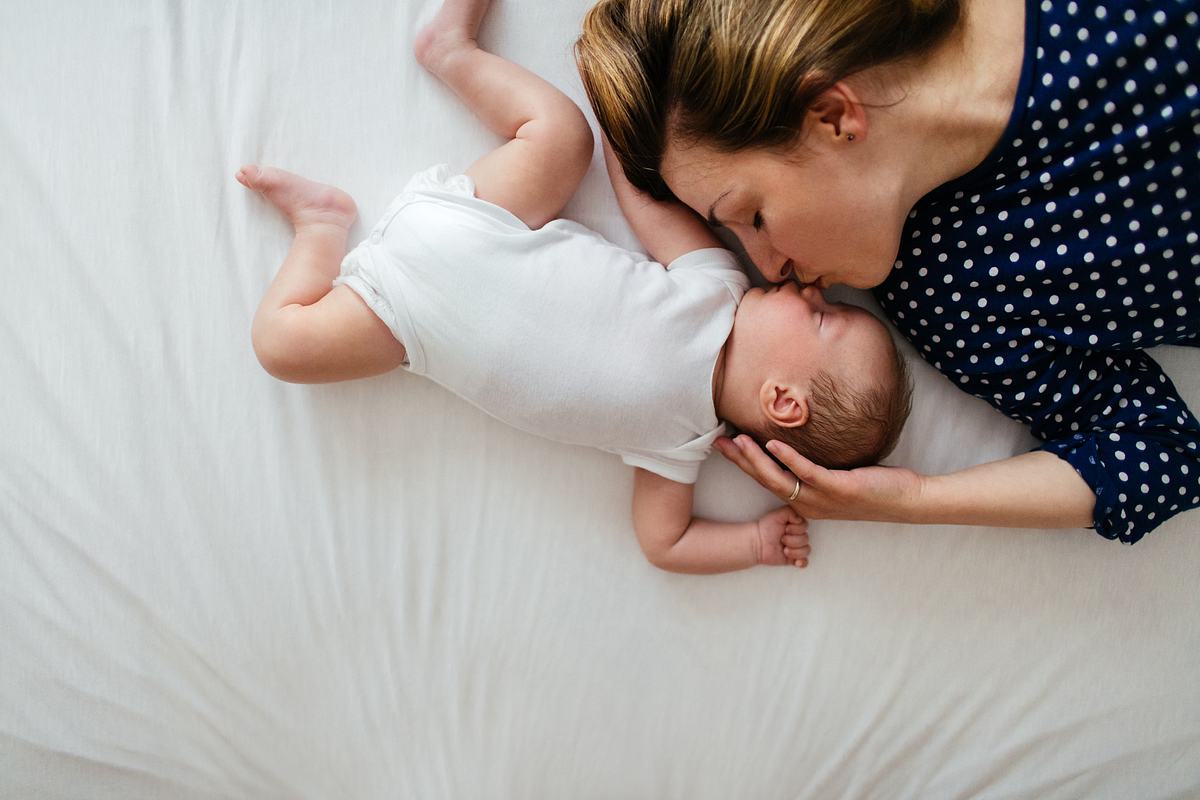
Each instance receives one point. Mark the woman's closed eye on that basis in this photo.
(758, 221)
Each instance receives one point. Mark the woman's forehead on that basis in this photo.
(691, 167)
(687, 164)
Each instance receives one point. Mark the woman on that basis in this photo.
(1016, 179)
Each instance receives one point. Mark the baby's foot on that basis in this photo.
(304, 202)
(452, 30)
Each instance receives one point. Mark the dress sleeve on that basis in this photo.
(1119, 421)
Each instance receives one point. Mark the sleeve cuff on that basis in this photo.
(1111, 518)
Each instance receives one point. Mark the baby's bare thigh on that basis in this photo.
(339, 338)
(535, 174)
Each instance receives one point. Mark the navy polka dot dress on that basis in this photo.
(1036, 280)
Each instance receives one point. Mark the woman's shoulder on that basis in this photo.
(1087, 214)
(1092, 75)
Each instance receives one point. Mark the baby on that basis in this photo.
(470, 280)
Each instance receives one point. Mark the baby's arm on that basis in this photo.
(667, 229)
(674, 540)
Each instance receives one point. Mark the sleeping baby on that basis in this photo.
(471, 281)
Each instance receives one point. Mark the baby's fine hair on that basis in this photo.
(849, 426)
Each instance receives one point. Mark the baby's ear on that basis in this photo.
(784, 404)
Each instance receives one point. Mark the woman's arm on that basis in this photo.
(674, 540)
(1034, 490)
(667, 229)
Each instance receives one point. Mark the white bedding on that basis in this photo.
(216, 585)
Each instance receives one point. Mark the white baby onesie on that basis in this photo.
(554, 331)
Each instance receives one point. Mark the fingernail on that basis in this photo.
(772, 445)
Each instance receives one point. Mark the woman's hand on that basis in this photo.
(867, 493)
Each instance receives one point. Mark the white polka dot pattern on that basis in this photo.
(1036, 280)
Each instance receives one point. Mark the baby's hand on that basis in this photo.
(783, 538)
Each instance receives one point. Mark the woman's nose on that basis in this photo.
(773, 265)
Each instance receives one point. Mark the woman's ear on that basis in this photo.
(839, 114)
(783, 404)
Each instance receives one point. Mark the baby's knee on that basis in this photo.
(281, 345)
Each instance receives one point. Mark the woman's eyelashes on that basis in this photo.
(757, 221)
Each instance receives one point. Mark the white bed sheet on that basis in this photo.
(216, 585)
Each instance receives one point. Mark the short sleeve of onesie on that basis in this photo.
(683, 464)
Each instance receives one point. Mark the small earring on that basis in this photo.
(849, 137)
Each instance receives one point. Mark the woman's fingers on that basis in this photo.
(803, 488)
(763, 469)
(731, 451)
(801, 467)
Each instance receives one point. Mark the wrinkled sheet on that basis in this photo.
(216, 585)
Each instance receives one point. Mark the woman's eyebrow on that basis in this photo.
(712, 217)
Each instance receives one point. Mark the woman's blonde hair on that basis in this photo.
(734, 74)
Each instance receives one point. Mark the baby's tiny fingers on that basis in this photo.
(797, 529)
(801, 562)
(794, 540)
(797, 552)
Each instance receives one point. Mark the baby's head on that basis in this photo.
(822, 377)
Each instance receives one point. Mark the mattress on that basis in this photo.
(216, 585)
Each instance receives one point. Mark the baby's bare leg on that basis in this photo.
(303, 332)
(321, 216)
(537, 172)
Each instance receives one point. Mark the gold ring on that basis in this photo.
(795, 492)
